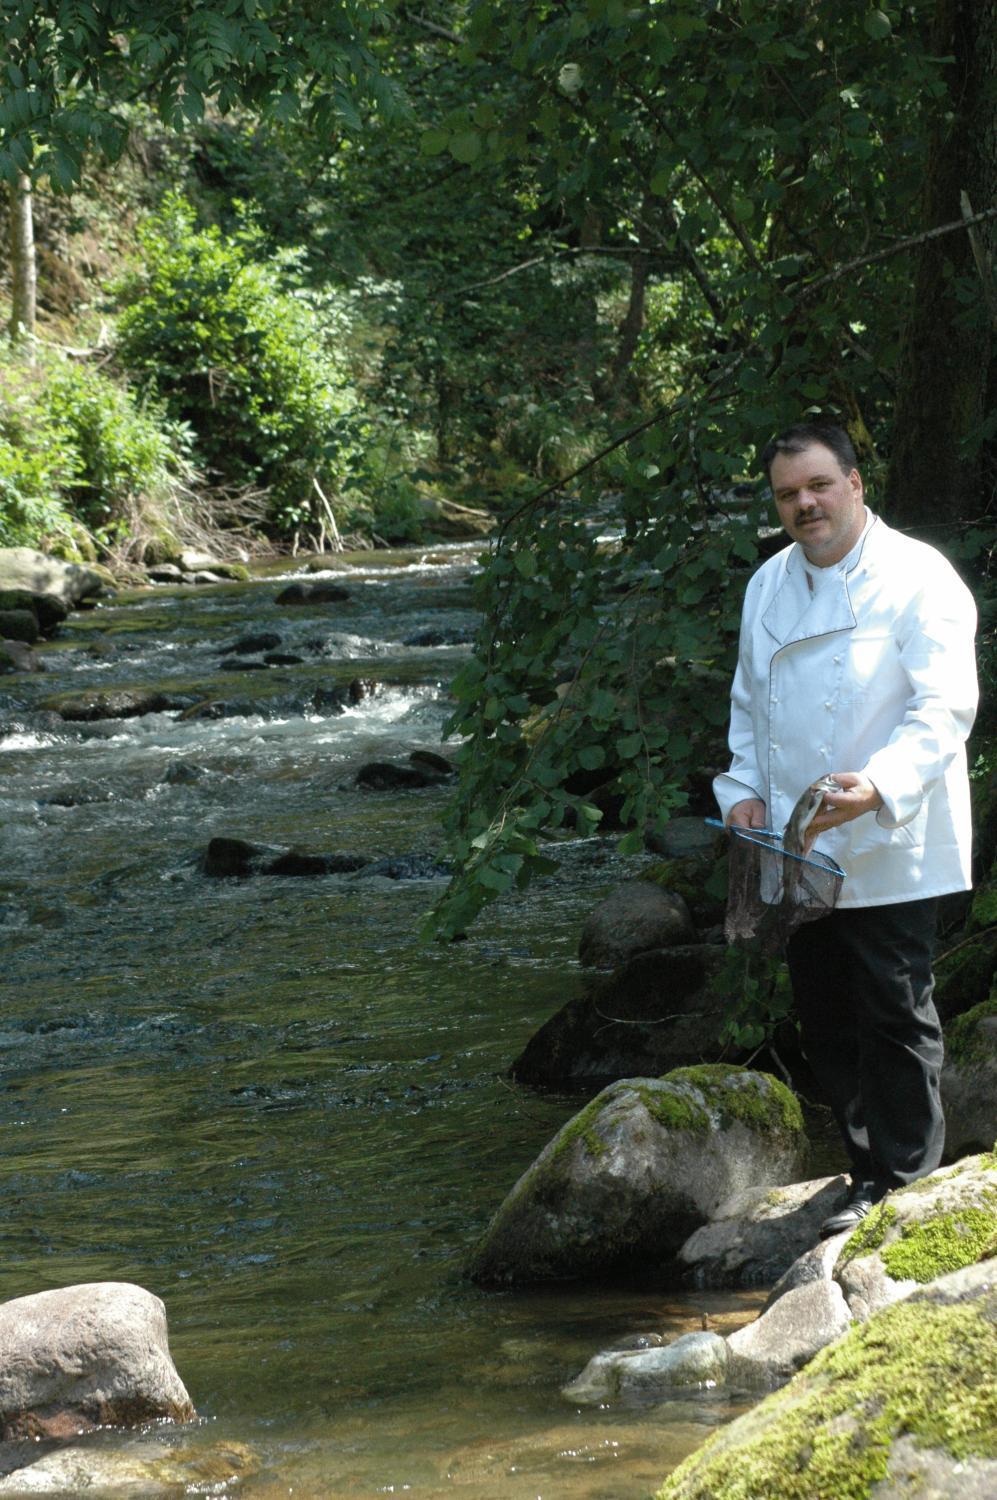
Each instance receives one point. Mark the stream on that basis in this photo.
(262, 1099)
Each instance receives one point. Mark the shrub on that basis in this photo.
(236, 351)
(80, 461)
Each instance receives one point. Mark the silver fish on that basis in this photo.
(794, 838)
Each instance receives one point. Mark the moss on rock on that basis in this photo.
(918, 1369)
(734, 1093)
(966, 1042)
(946, 1243)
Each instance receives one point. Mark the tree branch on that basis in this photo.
(897, 248)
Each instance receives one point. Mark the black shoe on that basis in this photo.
(861, 1200)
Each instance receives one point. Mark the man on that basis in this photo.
(856, 661)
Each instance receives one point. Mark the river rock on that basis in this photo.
(45, 579)
(815, 1264)
(787, 1335)
(47, 611)
(937, 1224)
(19, 625)
(915, 1381)
(628, 1179)
(759, 1234)
(312, 593)
(685, 836)
(390, 776)
(969, 1080)
(86, 1356)
(634, 918)
(16, 656)
(253, 644)
(143, 1470)
(429, 760)
(696, 1359)
(654, 1014)
(114, 703)
(165, 572)
(228, 858)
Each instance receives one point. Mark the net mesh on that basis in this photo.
(771, 892)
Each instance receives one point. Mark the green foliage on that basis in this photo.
(229, 343)
(756, 996)
(730, 148)
(72, 64)
(79, 458)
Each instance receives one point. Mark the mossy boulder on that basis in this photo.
(904, 1405)
(939, 1224)
(628, 1179)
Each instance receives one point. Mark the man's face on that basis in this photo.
(820, 505)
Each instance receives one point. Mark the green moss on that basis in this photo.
(932, 1247)
(870, 1234)
(917, 1369)
(966, 1042)
(581, 1128)
(675, 1110)
(755, 1099)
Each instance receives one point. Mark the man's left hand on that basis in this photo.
(857, 796)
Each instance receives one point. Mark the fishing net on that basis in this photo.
(771, 892)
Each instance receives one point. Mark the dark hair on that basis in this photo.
(800, 437)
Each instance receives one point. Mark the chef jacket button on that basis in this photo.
(829, 704)
(836, 660)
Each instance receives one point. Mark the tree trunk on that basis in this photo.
(943, 468)
(24, 277)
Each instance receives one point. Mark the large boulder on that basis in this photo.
(86, 1356)
(635, 917)
(25, 572)
(759, 1234)
(903, 1406)
(969, 1079)
(656, 1013)
(628, 1179)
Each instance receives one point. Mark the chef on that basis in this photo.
(856, 662)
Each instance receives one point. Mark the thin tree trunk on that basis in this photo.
(24, 276)
(942, 469)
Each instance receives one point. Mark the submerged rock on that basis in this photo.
(114, 703)
(696, 1359)
(903, 1405)
(630, 1177)
(143, 1470)
(86, 1356)
(253, 644)
(654, 1014)
(312, 593)
(228, 858)
(407, 867)
(390, 776)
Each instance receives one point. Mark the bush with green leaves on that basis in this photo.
(233, 345)
(81, 461)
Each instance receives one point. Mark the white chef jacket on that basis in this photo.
(866, 665)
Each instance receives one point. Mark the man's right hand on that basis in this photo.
(747, 814)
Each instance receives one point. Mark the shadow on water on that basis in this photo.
(265, 1102)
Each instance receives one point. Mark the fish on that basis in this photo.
(809, 804)
(796, 840)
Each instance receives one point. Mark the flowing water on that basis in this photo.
(263, 1099)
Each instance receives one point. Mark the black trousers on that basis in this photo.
(862, 986)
